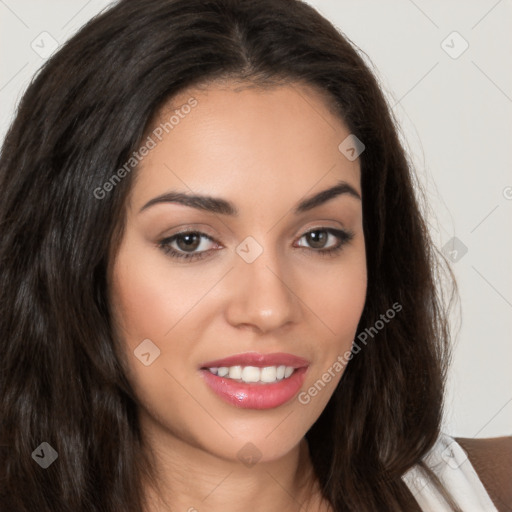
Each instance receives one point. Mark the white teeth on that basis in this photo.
(268, 374)
(251, 374)
(222, 371)
(235, 372)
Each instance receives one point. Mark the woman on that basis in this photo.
(217, 288)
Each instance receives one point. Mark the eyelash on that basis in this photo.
(344, 237)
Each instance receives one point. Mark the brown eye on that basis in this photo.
(186, 245)
(317, 239)
(188, 241)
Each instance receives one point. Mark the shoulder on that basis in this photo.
(492, 460)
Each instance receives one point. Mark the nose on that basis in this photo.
(262, 295)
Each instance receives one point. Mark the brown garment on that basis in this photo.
(492, 460)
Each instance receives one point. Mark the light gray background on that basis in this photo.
(456, 119)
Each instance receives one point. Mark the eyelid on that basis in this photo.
(202, 234)
(190, 228)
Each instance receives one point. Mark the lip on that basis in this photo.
(258, 360)
(256, 395)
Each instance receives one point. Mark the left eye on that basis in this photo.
(317, 238)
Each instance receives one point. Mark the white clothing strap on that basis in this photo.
(450, 463)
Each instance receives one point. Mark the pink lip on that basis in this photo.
(258, 360)
(256, 395)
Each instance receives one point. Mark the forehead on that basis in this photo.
(281, 141)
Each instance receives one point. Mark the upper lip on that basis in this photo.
(258, 360)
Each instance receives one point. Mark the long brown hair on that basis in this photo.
(80, 120)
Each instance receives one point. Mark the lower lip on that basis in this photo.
(255, 396)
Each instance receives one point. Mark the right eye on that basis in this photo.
(184, 245)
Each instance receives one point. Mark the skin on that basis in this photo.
(263, 150)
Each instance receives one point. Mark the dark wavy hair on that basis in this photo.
(62, 380)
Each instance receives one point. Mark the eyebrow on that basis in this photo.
(223, 207)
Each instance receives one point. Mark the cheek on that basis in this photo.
(155, 300)
(339, 302)
(339, 306)
(149, 296)
(148, 307)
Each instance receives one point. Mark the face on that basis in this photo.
(236, 309)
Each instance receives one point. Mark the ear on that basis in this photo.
(492, 460)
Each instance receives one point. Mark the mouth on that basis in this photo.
(256, 381)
